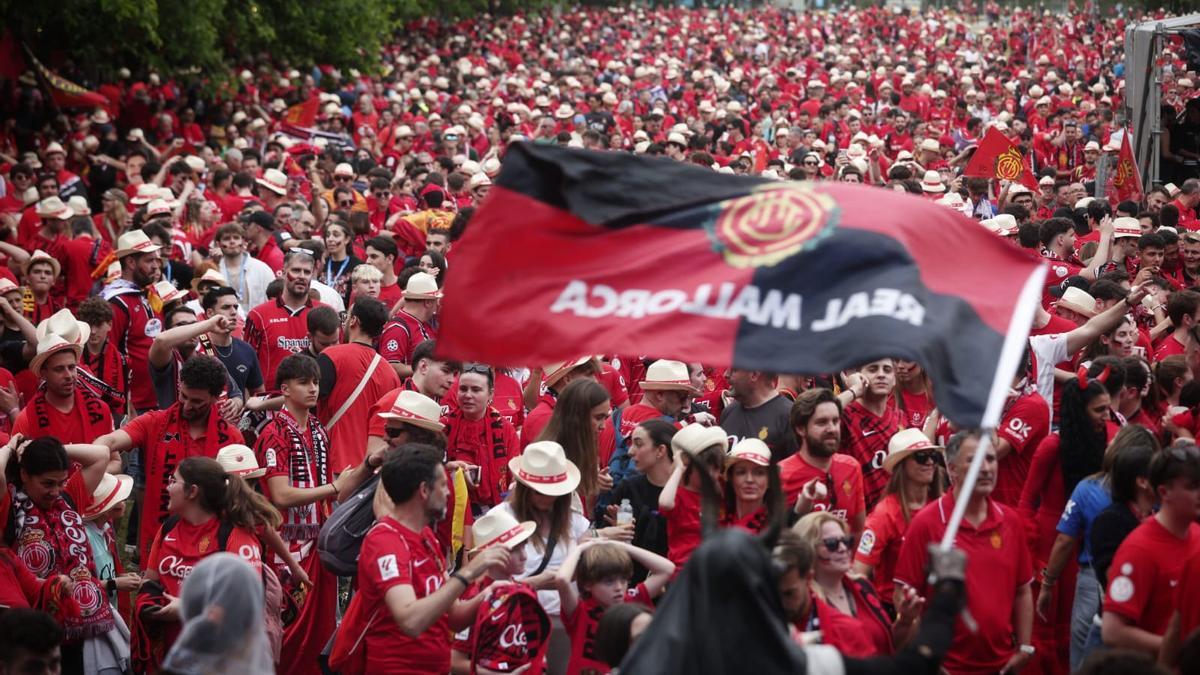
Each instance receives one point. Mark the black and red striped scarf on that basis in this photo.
(308, 467)
(107, 375)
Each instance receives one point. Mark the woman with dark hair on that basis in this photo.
(748, 485)
(1063, 459)
(340, 260)
(913, 393)
(41, 506)
(433, 263)
(650, 450)
(620, 626)
(579, 417)
(1089, 498)
(210, 511)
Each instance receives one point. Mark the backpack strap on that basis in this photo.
(223, 531)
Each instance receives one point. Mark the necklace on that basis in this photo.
(224, 354)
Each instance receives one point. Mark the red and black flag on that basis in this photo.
(998, 157)
(580, 252)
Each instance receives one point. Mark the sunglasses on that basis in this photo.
(342, 179)
(1187, 453)
(382, 195)
(925, 457)
(348, 202)
(832, 544)
(810, 164)
(477, 368)
(394, 432)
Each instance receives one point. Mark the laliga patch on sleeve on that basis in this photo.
(388, 569)
(866, 543)
(1121, 589)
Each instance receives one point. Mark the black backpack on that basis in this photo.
(342, 534)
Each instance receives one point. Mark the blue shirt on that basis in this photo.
(1088, 499)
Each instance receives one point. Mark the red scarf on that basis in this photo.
(88, 407)
(492, 457)
(52, 542)
(166, 451)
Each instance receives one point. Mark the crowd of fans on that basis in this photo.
(220, 318)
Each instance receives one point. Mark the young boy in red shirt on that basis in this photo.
(602, 580)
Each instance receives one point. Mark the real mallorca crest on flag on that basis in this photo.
(998, 157)
(585, 252)
(1124, 179)
(303, 114)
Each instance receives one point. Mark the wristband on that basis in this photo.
(458, 575)
(111, 585)
(335, 490)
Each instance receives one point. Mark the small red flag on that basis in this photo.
(303, 114)
(998, 157)
(1124, 180)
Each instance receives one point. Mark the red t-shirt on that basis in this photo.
(393, 555)
(1168, 347)
(634, 415)
(19, 587)
(614, 382)
(865, 437)
(348, 437)
(67, 427)
(77, 263)
(1024, 425)
(683, 526)
(391, 294)
(271, 254)
(1144, 573)
(401, 336)
(1043, 497)
(1059, 270)
(581, 626)
(276, 332)
(879, 545)
(916, 408)
(865, 634)
(843, 484)
(1000, 565)
(1189, 587)
(134, 327)
(176, 555)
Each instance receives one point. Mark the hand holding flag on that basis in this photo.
(998, 157)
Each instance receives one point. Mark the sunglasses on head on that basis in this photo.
(832, 544)
(477, 368)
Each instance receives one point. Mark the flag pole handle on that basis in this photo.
(964, 491)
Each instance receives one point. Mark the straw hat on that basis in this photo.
(41, 257)
(421, 286)
(416, 409)
(53, 149)
(7, 286)
(904, 443)
(666, 375)
(79, 205)
(544, 468)
(555, 371)
(695, 438)
(932, 182)
(1078, 300)
(157, 208)
(239, 460)
(134, 241)
(112, 490)
(749, 450)
(1126, 227)
(1004, 224)
(64, 324)
(51, 345)
(167, 291)
(499, 528)
(53, 207)
(274, 180)
(146, 192)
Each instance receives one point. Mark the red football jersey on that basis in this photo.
(865, 437)
(1145, 572)
(276, 332)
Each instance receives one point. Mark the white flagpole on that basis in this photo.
(1006, 366)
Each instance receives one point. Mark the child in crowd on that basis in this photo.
(697, 448)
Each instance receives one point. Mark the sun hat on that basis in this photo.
(544, 468)
(695, 438)
(51, 345)
(167, 292)
(932, 182)
(667, 375)
(1078, 300)
(40, 256)
(274, 180)
(64, 324)
(134, 241)
(239, 460)
(53, 207)
(498, 527)
(904, 443)
(749, 450)
(555, 371)
(112, 490)
(417, 409)
(422, 286)
(1126, 227)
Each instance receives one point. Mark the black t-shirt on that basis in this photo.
(768, 423)
(12, 344)
(650, 527)
(1110, 528)
(241, 361)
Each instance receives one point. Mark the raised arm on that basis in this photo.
(661, 570)
(168, 340)
(666, 498)
(93, 458)
(568, 594)
(1103, 322)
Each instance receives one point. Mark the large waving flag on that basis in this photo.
(580, 252)
(998, 157)
(65, 93)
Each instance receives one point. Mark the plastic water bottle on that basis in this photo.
(625, 513)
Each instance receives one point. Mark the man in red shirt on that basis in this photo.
(353, 378)
(383, 254)
(411, 325)
(998, 578)
(557, 377)
(1025, 422)
(1146, 569)
(135, 324)
(260, 233)
(818, 477)
(868, 423)
(278, 328)
(63, 409)
(1058, 237)
(1187, 201)
(667, 390)
(402, 573)
(190, 427)
(1183, 308)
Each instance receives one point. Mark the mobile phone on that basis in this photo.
(473, 474)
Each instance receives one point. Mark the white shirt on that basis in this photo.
(1048, 350)
(251, 290)
(329, 296)
(579, 526)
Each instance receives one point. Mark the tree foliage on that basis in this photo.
(99, 36)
